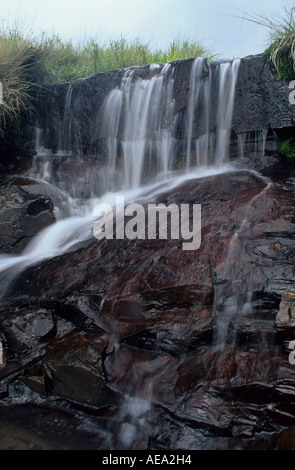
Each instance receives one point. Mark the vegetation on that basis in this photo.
(28, 64)
(16, 71)
(287, 147)
(66, 62)
(281, 50)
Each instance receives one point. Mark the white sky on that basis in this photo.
(156, 21)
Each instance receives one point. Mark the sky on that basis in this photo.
(156, 21)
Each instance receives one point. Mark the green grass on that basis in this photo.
(281, 49)
(59, 61)
(67, 62)
(16, 58)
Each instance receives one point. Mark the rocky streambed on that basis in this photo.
(139, 344)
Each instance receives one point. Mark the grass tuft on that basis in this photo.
(281, 50)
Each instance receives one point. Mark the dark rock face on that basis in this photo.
(262, 102)
(22, 214)
(178, 348)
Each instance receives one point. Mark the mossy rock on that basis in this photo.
(287, 147)
(285, 70)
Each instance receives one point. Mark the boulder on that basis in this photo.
(25, 330)
(74, 371)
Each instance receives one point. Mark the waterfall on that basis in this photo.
(200, 93)
(134, 416)
(138, 126)
(227, 84)
(256, 141)
(112, 107)
(144, 156)
(145, 109)
(211, 149)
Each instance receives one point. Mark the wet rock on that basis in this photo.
(147, 375)
(32, 427)
(171, 433)
(22, 216)
(74, 370)
(179, 316)
(286, 315)
(262, 101)
(36, 383)
(25, 330)
(162, 268)
(192, 334)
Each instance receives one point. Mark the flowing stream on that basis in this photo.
(141, 158)
(144, 158)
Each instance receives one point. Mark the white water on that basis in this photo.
(145, 110)
(227, 85)
(139, 122)
(256, 140)
(200, 93)
(68, 233)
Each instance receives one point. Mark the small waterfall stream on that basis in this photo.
(138, 126)
(143, 158)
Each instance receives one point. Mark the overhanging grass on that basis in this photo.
(281, 49)
(15, 57)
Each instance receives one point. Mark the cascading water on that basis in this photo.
(138, 126)
(145, 143)
(199, 90)
(256, 140)
(143, 158)
(227, 85)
